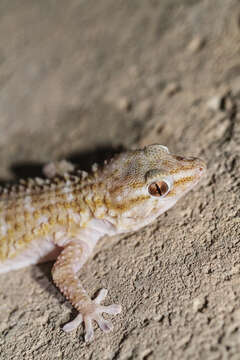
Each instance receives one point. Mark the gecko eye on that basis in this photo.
(158, 189)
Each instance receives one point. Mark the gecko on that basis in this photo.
(64, 215)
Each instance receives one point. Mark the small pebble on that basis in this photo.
(124, 104)
(214, 103)
(196, 44)
(172, 88)
(199, 303)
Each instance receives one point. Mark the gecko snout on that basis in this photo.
(200, 166)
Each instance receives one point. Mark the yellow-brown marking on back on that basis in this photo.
(23, 226)
(127, 205)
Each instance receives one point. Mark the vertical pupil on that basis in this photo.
(158, 189)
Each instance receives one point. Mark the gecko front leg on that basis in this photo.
(65, 277)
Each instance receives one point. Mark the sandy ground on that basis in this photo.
(80, 79)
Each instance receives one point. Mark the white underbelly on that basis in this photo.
(40, 250)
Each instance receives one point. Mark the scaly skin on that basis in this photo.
(67, 214)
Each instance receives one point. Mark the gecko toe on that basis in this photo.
(113, 309)
(89, 335)
(73, 324)
(105, 325)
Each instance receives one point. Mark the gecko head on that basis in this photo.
(171, 176)
(145, 183)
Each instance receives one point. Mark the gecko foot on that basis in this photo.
(93, 311)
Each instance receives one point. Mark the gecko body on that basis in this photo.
(64, 216)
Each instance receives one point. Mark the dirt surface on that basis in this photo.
(80, 79)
